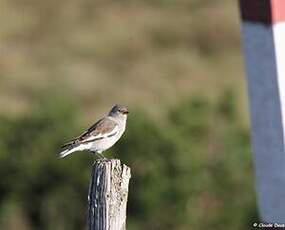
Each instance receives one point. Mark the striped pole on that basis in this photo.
(263, 32)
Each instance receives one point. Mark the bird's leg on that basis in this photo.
(97, 156)
(101, 155)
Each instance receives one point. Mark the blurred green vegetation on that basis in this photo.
(192, 172)
(65, 62)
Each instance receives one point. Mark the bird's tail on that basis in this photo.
(68, 149)
(66, 152)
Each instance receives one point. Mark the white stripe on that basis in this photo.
(279, 42)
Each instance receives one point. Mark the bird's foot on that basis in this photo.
(99, 157)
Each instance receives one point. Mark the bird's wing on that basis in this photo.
(103, 128)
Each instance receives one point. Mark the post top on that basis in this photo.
(114, 163)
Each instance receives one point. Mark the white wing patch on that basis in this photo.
(100, 136)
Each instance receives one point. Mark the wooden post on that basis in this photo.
(108, 194)
(263, 33)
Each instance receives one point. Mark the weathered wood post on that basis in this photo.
(108, 194)
(263, 33)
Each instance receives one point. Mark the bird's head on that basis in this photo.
(119, 110)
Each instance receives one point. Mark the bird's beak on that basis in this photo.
(125, 112)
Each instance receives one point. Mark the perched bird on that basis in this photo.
(100, 136)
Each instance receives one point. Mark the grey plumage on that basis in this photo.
(100, 136)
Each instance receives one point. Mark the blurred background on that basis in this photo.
(176, 64)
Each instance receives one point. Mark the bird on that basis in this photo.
(100, 136)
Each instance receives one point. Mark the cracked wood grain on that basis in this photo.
(108, 195)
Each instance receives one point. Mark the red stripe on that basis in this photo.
(265, 11)
(278, 10)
